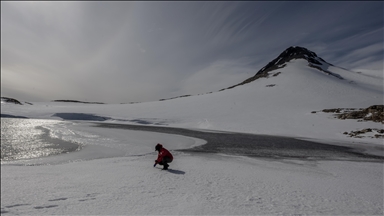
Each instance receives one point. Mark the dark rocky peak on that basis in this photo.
(293, 52)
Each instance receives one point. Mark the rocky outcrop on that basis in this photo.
(175, 97)
(262, 75)
(75, 101)
(376, 133)
(373, 113)
(10, 100)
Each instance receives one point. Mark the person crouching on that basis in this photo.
(164, 156)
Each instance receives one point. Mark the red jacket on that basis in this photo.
(163, 153)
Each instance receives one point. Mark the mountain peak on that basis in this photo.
(293, 52)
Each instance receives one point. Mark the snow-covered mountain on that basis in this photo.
(291, 53)
(283, 98)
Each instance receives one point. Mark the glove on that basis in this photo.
(154, 164)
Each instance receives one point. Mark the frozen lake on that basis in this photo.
(30, 138)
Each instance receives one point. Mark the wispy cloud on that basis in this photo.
(218, 75)
(140, 51)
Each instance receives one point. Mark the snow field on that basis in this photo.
(196, 185)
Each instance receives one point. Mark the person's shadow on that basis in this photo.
(178, 172)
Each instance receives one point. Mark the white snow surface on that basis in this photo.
(114, 175)
(197, 185)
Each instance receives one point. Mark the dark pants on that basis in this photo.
(165, 161)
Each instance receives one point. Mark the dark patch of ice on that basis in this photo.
(11, 116)
(141, 121)
(81, 116)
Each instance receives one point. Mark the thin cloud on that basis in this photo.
(141, 48)
(140, 51)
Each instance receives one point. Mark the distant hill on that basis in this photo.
(75, 101)
(10, 100)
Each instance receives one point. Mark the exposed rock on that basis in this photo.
(276, 74)
(176, 97)
(332, 110)
(325, 71)
(75, 101)
(10, 100)
(373, 113)
(265, 75)
(359, 133)
(352, 115)
(293, 52)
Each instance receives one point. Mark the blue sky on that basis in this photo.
(118, 52)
